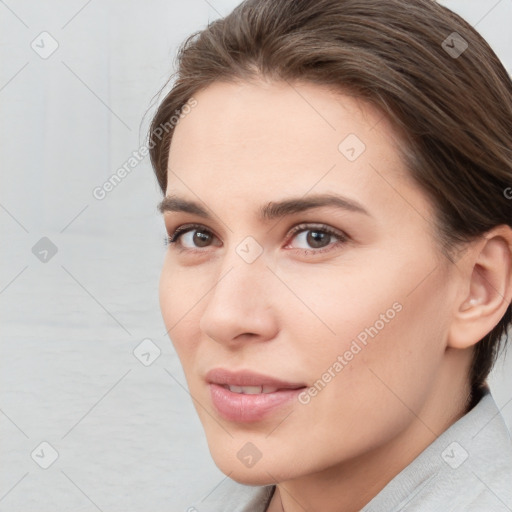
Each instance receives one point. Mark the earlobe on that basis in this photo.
(488, 292)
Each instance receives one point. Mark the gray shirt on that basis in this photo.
(468, 468)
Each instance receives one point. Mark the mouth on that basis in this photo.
(246, 396)
(249, 382)
(253, 390)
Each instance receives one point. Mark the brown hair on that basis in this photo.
(433, 75)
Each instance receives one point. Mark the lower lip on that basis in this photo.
(243, 408)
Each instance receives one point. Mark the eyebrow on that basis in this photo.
(270, 211)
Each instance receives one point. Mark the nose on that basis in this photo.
(239, 306)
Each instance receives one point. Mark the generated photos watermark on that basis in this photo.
(101, 191)
(356, 346)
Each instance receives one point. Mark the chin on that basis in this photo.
(250, 476)
(248, 472)
(263, 472)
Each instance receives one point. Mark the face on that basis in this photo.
(306, 277)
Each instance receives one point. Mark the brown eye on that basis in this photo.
(201, 238)
(192, 237)
(316, 238)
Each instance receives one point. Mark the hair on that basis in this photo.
(427, 70)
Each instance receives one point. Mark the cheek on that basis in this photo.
(332, 307)
(371, 331)
(177, 302)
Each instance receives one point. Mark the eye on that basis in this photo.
(190, 237)
(314, 239)
(317, 238)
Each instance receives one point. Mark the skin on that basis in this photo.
(292, 311)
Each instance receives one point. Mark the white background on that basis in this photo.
(127, 435)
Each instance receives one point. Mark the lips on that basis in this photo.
(251, 390)
(249, 379)
(248, 396)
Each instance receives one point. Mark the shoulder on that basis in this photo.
(468, 468)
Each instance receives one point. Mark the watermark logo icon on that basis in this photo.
(147, 352)
(45, 45)
(249, 454)
(454, 455)
(352, 147)
(249, 249)
(44, 455)
(455, 45)
(44, 250)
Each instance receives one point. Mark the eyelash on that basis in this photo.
(172, 240)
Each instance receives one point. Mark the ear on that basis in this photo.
(487, 288)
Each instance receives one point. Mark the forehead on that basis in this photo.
(268, 138)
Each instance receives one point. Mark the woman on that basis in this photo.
(338, 279)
